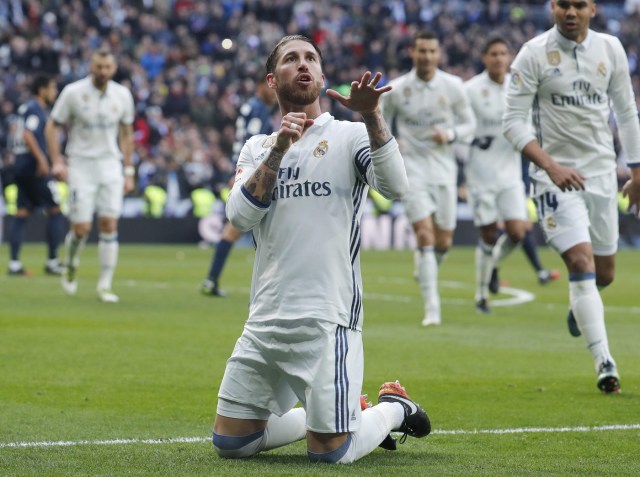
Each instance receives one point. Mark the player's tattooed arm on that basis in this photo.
(377, 128)
(260, 185)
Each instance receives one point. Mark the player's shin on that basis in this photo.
(588, 310)
(108, 257)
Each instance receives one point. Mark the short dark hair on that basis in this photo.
(424, 35)
(272, 59)
(494, 40)
(40, 80)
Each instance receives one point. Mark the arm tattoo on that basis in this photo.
(260, 185)
(378, 130)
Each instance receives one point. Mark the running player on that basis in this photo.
(431, 111)
(572, 77)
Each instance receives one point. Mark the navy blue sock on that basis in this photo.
(219, 259)
(529, 247)
(16, 236)
(53, 234)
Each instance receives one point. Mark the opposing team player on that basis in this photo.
(302, 191)
(572, 76)
(37, 187)
(255, 117)
(98, 113)
(431, 111)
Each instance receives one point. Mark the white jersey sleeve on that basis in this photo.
(624, 106)
(243, 210)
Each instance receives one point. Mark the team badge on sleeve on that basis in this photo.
(516, 80)
(321, 149)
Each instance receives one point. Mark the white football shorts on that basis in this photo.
(275, 366)
(573, 217)
(439, 200)
(95, 186)
(490, 206)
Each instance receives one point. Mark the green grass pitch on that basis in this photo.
(90, 374)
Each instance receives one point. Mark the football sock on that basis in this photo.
(427, 268)
(219, 259)
(588, 309)
(484, 267)
(285, 429)
(16, 236)
(280, 431)
(531, 251)
(376, 424)
(504, 246)
(53, 233)
(108, 258)
(74, 246)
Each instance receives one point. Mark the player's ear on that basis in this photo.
(271, 81)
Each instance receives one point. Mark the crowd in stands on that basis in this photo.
(191, 64)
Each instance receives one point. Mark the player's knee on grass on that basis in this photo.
(341, 455)
(238, 447)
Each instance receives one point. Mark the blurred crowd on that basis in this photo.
(191, 64)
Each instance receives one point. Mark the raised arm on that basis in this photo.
(388, 174)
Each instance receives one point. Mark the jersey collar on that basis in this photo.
(425, 84)
(570, 45)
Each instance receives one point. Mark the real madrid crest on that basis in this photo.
(553, 57)
(321, 149)
(551, 222)
(268, 142)
(602, 69)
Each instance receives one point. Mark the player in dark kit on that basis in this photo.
(32, 171)
(254, 117)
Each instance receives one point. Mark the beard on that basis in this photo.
(303, 97)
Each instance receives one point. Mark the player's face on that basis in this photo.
(51, 92)
(496, 59)
(297, 77)
(573, 16)
(426, 56)
(102, 68)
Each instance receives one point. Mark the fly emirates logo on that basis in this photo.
(582, 95)
(289, 186)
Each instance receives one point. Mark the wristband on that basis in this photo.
(129, 171)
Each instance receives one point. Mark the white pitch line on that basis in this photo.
(198, 440)
(174, 440)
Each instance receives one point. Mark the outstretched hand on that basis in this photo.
(364, 95)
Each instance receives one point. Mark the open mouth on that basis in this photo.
(304, 79)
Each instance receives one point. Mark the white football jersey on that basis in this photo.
(93, 118)
(307, 241)
(417, 107)
(572, 88)
(493, 163)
